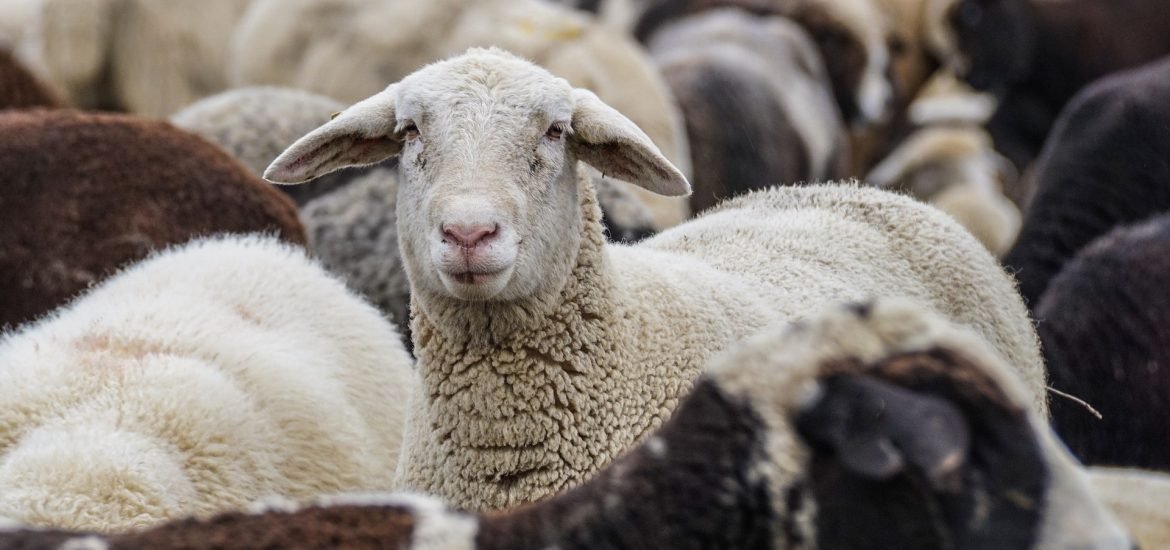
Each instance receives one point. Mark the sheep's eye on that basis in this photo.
(555, 131)
(410, 131)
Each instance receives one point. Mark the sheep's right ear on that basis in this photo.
(361, 135)
(608, 141)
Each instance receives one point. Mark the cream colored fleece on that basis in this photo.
(196, 381)
(326, 46)
(150, 57)
(523, 400)
(1141, 499)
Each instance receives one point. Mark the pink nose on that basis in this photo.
(469, 236)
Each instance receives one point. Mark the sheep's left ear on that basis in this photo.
(361, 135)
(608, 141)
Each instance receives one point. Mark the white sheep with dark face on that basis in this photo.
(545, 352)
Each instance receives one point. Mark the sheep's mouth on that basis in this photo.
(475, 277)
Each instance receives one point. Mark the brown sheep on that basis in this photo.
(85, 194)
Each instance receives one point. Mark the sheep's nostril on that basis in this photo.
(469, 236)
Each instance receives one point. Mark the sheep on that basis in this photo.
(325, 46)
(196, 381)
(1103, 166)
(1140, 498)
(149, 57)
(757, 102)
(86, 193)
(19, 89)
(543, 351)
(353, 231)
(255, 124)
(868, 426)
(1037, 54)
(956, 169)
(1102, 323)
(848, 33)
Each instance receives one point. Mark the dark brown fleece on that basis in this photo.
(1105, 328)
(19, 89)
(82, 195)
(1106, 164)
(1037, 55)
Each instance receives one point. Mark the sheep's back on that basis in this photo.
(810, 246)
(87, 193)
(197, 378)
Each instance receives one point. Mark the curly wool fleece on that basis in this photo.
(523, 400)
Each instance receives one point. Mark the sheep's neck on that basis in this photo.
(520, 398)
(693, 484)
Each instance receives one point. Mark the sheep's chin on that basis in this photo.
(476, 287)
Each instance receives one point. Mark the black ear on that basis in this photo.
(877, 430)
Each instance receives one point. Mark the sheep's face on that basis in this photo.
(488, 202)
(485, 204)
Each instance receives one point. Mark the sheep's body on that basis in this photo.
(326, 47)
(524, 408)
(1105, 327)
(19, 88)
(545, 352)
(149, 57)
(1104, 165)
(757, 102)
(1141, 499)
(752, 460)
(194, 382)
(87, 193)
(956, 169)
(255, 124)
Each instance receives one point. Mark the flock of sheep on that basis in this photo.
(584, 274)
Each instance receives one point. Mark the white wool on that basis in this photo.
(199, 380)
(149, 57)
(1140, 498)
(16, 16)
(567, 351)
(328, 47)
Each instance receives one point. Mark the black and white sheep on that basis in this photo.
(1104, 165)
(194, 382)
(756, 99)
(545, 352)
(1104, 326)
(84, 194)
(872, 426)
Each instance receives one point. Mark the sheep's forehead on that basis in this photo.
(485, 87)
